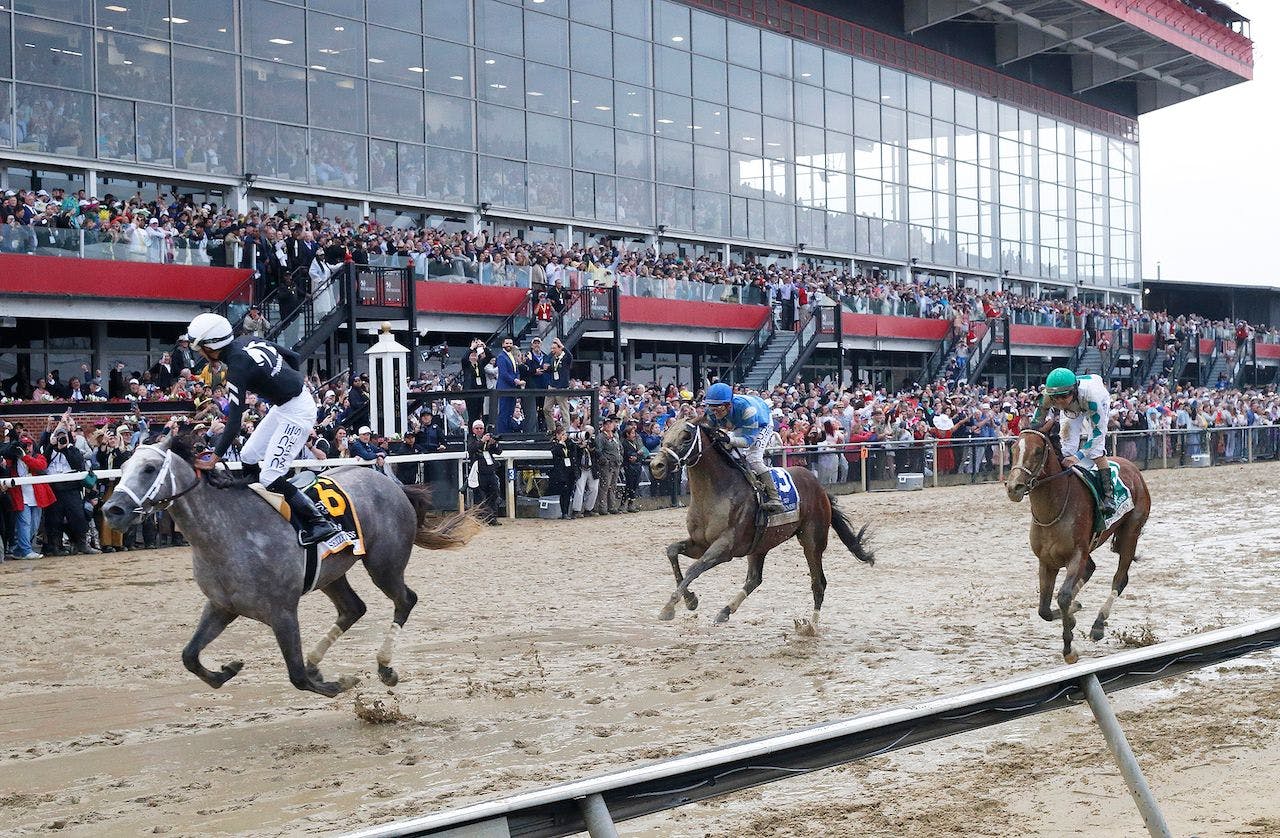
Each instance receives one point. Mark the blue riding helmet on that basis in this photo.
(718, 393)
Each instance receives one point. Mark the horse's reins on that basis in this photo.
(1036, 480)
(147, 500)
(691, 455)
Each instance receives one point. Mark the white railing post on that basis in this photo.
(597, 818)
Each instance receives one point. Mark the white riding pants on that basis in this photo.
(1083, 434)
(280, 436)
(754, 453)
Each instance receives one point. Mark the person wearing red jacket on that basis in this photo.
(28, 500)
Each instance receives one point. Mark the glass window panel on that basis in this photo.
(634, 155)
(839, 112)
(710, 123)
(498, 28)
(944, 103)
(920, 132)
(811, 146)
(866, 80)
(671, 24)
(275, 91)
(546, 39)
(593, 148)
(775, 54)
(500, 131)
(590, 49)
(671, 70)
(675, 207)
(260, 147)
(278, 151)
(631, 108)
(606, 192)
(395, 112)
(710, 213)
(738, 218)
(411, 169)
(549, 139)
(919, 95)
(966, 109)
(132, 66)
(204, 79)
(382, 166)
(776, 95)
(73, 10)
(779, 222)
(206, 142)
(943, 138)
(838, 71)
(273, 31)
(448, 67)
(893, 88)
(809, 104)
(139, 18)
(116, 130)
(584, 194)
(631, 60)
(53, 53)
(629, 16)
(546, 89)
(675, 162)
(398, 54)
(635, 202)
(592, 99)
(710, 169)
(745, 86)
(398, 14)
(348, 8)
(448, 121)
(744, 44)
(839, 152)
(204, 24)
(1008, 116)
(339, 160)
(866, 118)
(447, 19)
(6, 47)
(710, 79)
(337, 45)
(672, 116)
(549, 190)
(341, 99)
(500, 79)
(776, 136)
(707, 32)
(503, 182)
(808, 63)
(453, 176)
(155, 134)
(987, 116)
(745, 129)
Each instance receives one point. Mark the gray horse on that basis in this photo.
(247, 561)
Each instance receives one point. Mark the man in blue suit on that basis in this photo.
(508, 379)
(561, 367)
(537, 371)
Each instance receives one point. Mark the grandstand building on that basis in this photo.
(992, 145)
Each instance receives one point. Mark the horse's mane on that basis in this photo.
(183, 446)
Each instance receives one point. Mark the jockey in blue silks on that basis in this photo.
(748, 421)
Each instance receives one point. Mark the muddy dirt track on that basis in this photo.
(534, 657)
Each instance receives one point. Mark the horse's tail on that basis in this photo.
(448, 533)
(855, 541)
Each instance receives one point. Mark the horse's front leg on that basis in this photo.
(721, 550)
(212, 622)
(285, 626)
(1074, 579)
(1048, 576)
(673, 553)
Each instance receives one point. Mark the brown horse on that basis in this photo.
(1062, 527)
(722, 520)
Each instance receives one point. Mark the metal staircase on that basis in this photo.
(993, 340)
(1209, 368)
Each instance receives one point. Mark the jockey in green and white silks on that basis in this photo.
(1085, 410)
(748, 421)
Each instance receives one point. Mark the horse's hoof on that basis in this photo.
(346, 682)
(1047, 616)
(1095, 633)
(313, 672)
(328, 689)
(667, 613)
(691, 601)
(232, 669)
(805, 628)
(1070, 657)
(723, 616)
(388, 675)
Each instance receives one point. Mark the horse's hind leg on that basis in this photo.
(1125, 544)
(390, 581)
(350, 609)
(212, 623)
(755, 575)
(673, 553)
(814, 542)
(285, 626)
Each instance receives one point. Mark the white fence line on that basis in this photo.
(567, 808)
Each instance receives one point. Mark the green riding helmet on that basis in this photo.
(1060, 382)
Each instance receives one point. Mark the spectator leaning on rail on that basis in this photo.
(747, 418)
(1085, 405)
(270, 371)
(67, 510)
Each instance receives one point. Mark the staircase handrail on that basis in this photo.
(742, 362)
(1204, 370)
(331, 292)
(776, 373)
(810, 333)
(1077, 356)
(933, 364)
(1142, 372)
(508, 324)
(1242, 354)
(1184, 355)
(983, 350)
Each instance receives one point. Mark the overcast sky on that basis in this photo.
(1210, 174)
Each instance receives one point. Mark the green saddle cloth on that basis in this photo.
(1119, 493)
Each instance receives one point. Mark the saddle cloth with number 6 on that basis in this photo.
(334, 500)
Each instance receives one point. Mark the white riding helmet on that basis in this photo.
(210, 331)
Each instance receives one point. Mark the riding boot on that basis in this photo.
(82, 545)
(772, 501)
(311, 523)
(1105, 493)
(249, 472)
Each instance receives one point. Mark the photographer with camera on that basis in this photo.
(66, 513)
(482, 451)
(587, 487)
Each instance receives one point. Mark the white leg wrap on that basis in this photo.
(388, 645)
(737, 601)
(815, 617)
(1106, 609)
(317, 654)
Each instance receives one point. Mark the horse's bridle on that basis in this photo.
(148, 498)
(691, 454)
(1035, 479)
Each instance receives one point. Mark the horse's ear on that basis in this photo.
(1050, 427)
(166, 442)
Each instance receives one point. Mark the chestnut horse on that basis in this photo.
(1062, 527)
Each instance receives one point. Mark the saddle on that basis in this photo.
(1119, 492)
(336, 503)
(781, 479)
